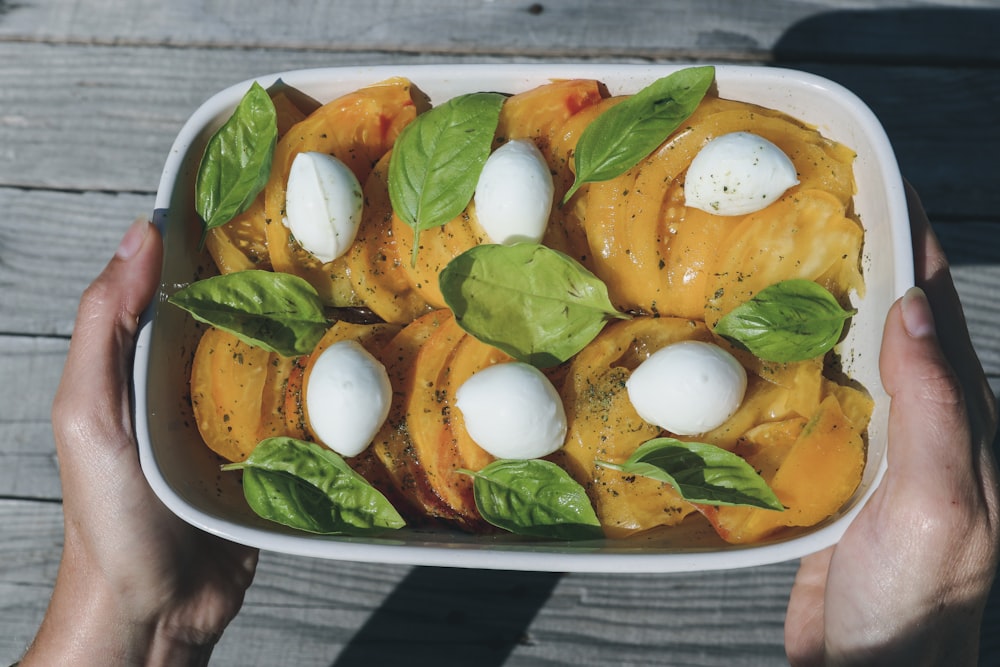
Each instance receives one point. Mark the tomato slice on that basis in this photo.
(228, 383)
(241, 243)
(358, 129)
(813, 468)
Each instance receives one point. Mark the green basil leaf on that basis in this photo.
(303, 485)
(237, 160)
(701, 473)
(626, 133)
(436, 160)
(792, 320)
(536, 498)
(276, 311)
(534, 303)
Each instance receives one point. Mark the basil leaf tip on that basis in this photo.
(305, 486)
(534, 498)
(236, 164)
(792, 320)
(626, 133)
(700, 472)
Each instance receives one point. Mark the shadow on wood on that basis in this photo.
(451, 617)
(932, 76)
(928, 36)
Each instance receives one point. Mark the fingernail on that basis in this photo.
(133, 239)
(917, 316)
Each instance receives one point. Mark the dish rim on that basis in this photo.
(487, 552)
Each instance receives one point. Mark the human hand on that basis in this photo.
(136, 585)
(908, 582)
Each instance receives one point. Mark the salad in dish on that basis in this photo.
(559, 313)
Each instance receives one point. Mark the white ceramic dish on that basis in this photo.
(186, 476)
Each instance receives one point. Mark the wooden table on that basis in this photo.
(91, 97)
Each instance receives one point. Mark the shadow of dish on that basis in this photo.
(932, 76)
(451, 618)
(930, 36)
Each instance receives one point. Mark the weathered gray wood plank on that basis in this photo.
(957, 30)
(30, 546)
(31, 368)
(308, 612)
(52, 244)
(314, 612)
(103, 118)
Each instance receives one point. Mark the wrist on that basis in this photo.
(949, 636)
(88, 622)
(98, 635)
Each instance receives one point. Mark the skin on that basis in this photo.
(908, 582)
(136, 585)
(906, 585)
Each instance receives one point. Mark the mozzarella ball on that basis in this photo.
(512, 411)
(737, 174)
(347, 397)
(687, 388)
(514, 193)
(323, 205)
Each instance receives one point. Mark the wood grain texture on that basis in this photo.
(53, 244)
(957, 30)
(318, 613)
(315, 613)
(103, 118)
(31, 368)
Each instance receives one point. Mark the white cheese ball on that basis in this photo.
(514, 193)
(687, 388)
(347, 397)
(737, 174)
(512, 411)
(323, 205)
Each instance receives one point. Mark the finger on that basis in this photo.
(926, 394)
(92, 398)
(940, 483)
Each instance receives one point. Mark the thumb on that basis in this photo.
(928, 421)
(91, 404)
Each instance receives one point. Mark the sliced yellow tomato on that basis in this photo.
(424, 442)
(427, 414)
(241, 243)
(544, 115)
(658, 256)
(820, 471)
(374, 263)
(392, 444)
(358, 129)
(229, 380)
(603, 425)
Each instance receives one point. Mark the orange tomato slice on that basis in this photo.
(241, 243)
(358, 129)
(229, 380)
